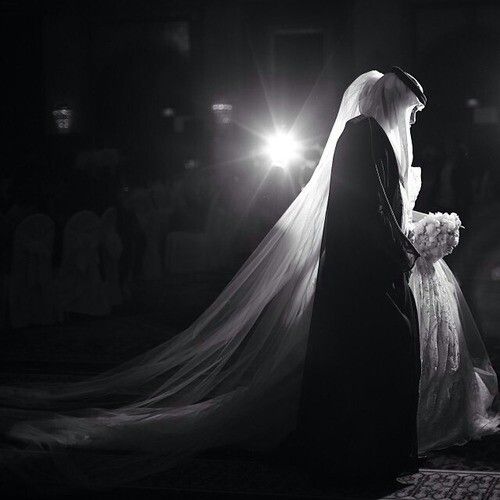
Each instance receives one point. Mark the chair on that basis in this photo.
(31, 287)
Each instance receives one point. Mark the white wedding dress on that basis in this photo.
(458, 383)
(233, 377)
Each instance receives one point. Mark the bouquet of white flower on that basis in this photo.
(436, 235)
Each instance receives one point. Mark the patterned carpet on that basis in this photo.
(76, 350)
(452, 485)
(236, 479)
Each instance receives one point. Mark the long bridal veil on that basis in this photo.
(232, 377)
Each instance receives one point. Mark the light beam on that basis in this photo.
(282, 148)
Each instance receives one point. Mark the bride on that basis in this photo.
(234, 376)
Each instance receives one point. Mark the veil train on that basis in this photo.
(233, 376)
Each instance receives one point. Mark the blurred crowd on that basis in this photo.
(78, 239)
(454, 178)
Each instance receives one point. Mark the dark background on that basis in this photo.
(140, 79)
(193, 192)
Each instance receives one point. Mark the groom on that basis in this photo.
(357, 418)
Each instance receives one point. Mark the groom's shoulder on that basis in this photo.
(357, 128)
(363, 126)
(359, 122)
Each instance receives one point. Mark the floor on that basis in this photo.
(252, 478)
(84, 346)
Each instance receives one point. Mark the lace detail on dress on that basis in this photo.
(438, 328)
(452, 405)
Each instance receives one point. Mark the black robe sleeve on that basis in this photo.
(361, 230)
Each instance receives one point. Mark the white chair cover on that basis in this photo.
(150, 221)
(31, 292)
(81, 288)
(111, 252)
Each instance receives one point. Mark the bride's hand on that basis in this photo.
(418, 216)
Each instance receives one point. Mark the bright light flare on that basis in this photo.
(282, 148)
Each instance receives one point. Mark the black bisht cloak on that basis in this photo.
(358, 408)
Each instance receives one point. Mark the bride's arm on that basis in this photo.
(418, 215)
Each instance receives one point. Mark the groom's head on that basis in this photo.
(394, 98)
(415, 87)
